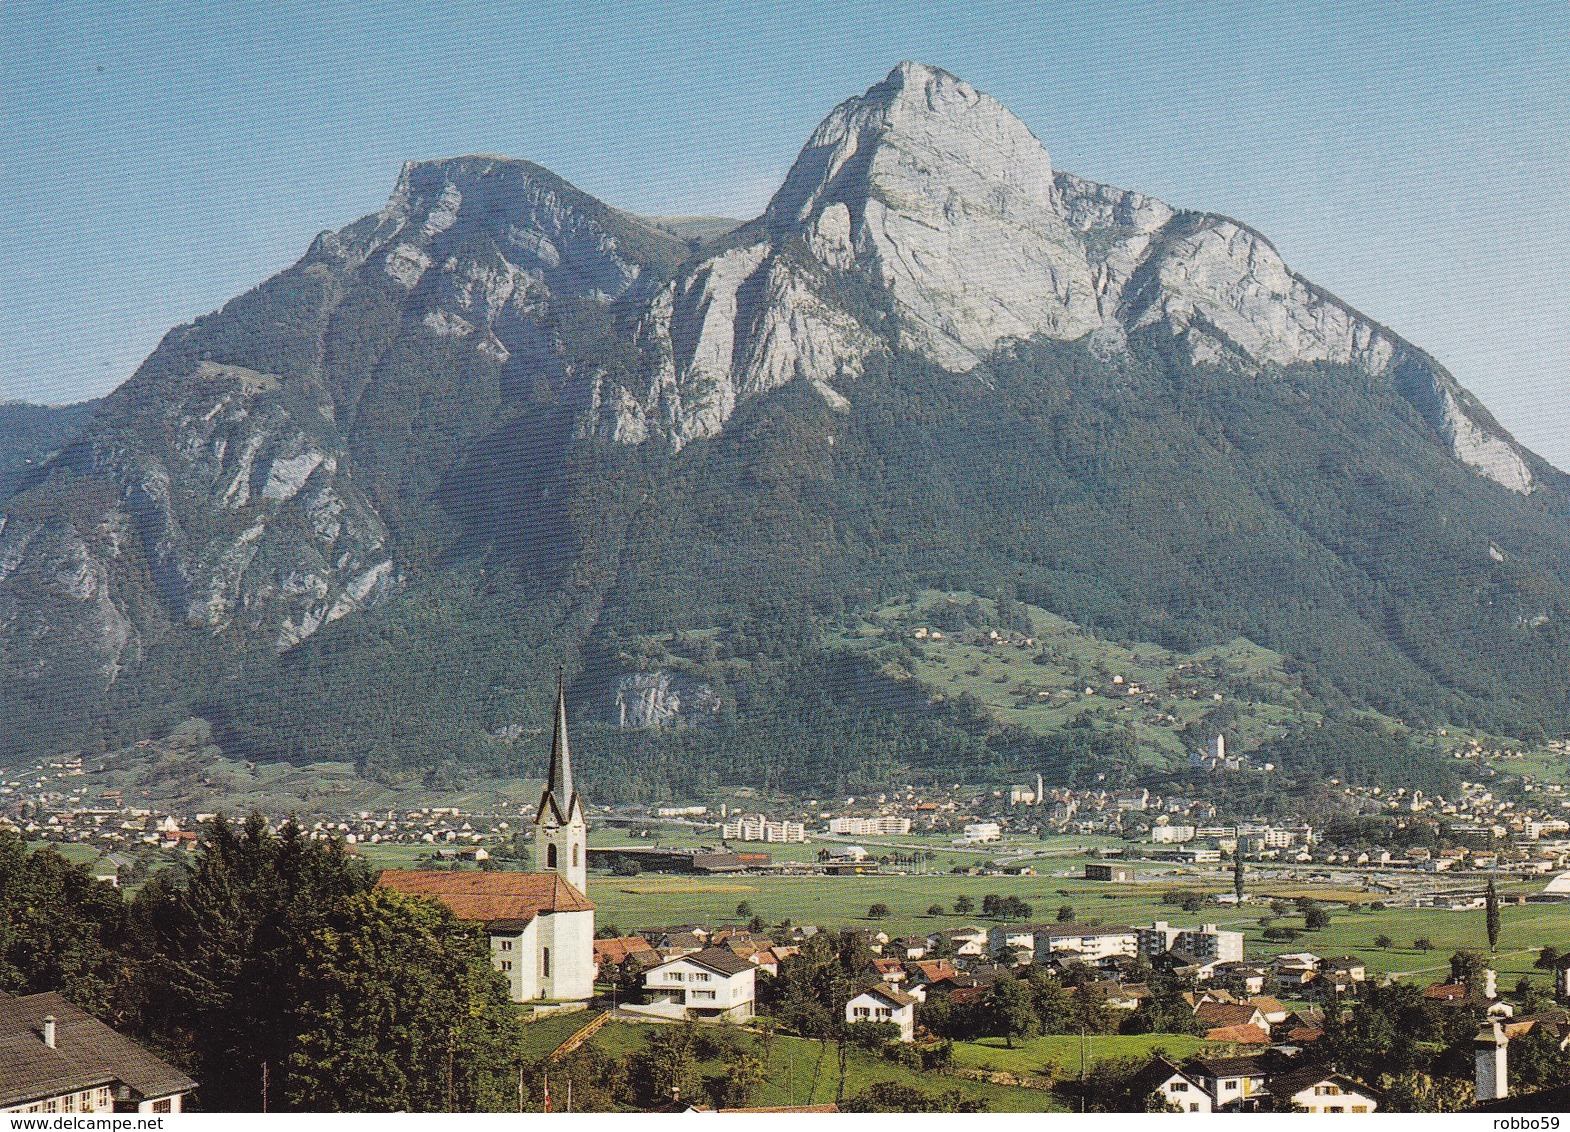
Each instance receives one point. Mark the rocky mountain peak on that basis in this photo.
(947, 199)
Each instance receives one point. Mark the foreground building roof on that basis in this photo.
(86, 1054)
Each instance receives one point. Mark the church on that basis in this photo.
(540, 924)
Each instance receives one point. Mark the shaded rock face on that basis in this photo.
(738, 325)
(658, 699)
(239, 495)
(228, 469)
(57, 601)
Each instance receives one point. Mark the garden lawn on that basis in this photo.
(803, 1071)
(1057, 1055)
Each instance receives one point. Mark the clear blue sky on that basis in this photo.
(157, 159)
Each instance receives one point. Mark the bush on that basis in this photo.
(878, 911)
(1423, 943)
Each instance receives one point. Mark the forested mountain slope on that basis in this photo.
(30, 433)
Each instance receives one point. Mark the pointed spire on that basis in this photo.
(560, 783)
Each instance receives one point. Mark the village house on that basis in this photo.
(1235, 1084)
(714, 983)
(1294, 972)
(55, 1058)
(623, 952)
(1173, 1088)
(882, 1003)
(966, 942)
(1314, 1090)
(1230, 1021)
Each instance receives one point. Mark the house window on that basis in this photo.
(700, 977)
(550, 856)
(1193, 1106)
(575, 856)
(52, 1105)
(1229, 1084)
(165, 1105)
(1360, 1108)
(1334, 1108)
(703, 994)
(545, 962)
(68, 1103)
(862, 1012)
(1179, 1086)
(506, 964)
(103, 1102)
(506, 945)
(675, 976)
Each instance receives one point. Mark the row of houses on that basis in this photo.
(1253, 1084)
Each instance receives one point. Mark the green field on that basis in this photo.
(1058, 1055)
(843, 902)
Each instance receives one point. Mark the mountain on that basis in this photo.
(29, 434)
(498, 425)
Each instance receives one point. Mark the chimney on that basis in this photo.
(1491, 1048)
(49, 1030)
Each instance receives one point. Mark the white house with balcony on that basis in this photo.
(884, 1004)
(714, 983)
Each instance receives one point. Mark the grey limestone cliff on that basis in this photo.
(937, 196)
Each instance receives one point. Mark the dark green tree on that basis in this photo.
(894, 1096)
(1008, 1011)
(401, 1010)
(1537, 1062)
(60, 930)
(223, 942)
(1491, 914)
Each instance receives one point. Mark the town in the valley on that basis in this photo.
(1018, 947)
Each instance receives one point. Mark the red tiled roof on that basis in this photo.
(1245, 1035)
(1224, 1014)
(618, 948)
(487, 898)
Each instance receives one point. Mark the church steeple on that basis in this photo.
(560, 835)
(560, 783)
